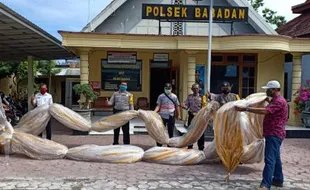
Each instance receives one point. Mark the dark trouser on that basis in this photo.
(201, 141)
(170, 123)
(125, 129)
(273, 165)
(48, 131)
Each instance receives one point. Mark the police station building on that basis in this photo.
(150, 42)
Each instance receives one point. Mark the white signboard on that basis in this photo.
(122, 57)
(161, 57)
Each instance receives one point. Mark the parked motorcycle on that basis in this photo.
(13, 115)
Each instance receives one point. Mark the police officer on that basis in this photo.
(226, 95)
(167, 104)
(122, 101)
(193, 104)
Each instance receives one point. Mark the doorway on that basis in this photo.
(71, 98)
(159, 76)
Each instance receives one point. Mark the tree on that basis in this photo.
(88, 94)
(269, 15)
(256, 4)
(7, 69)
(17, 70)
(48, 68)
(20, 74)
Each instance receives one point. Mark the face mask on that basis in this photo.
(225, 91)
(123, 88)
(43, 90)
(269, 93)
(167, 91)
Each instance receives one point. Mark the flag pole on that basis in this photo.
(208, 68)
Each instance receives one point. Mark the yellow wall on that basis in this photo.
(270, 67)
(56, 88)
(95, 58)
(4, 85)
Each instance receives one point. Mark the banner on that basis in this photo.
(200, 77)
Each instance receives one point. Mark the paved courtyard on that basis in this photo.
(19, 172)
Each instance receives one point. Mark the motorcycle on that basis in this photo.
(13, 116)
(20, 107)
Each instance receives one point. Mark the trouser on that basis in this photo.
(170, 123)
(273, 165)
(201, 141)
(125, 129)
(48, 131)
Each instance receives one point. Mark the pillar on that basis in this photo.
(294, 120)
(30, 82)
(84, 66)
(191, 73)
(84, 69)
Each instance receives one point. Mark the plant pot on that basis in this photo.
(305, 118)
(87, 115)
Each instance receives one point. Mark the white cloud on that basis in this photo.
(283, 7)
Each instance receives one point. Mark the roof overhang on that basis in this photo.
(66, 72)
(19, 38)
(78, 40)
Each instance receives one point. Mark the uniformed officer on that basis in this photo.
(167, 104)
(226, 95)
(193, 104)
(122, 101)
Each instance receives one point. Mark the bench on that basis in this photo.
(101, 105)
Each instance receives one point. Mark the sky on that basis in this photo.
(73, 15)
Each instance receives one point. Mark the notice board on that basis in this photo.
(113, 73)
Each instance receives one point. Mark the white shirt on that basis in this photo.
(2, 112)
(41, 99)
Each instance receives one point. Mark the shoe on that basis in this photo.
(261, 187)
(201, 148)
(276, 184)
(115, 144)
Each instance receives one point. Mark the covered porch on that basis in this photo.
(21, 40)
(186, 52)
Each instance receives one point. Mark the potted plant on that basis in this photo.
(88, 95)
(302, 103)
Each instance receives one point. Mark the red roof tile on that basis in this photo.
(298, 27)
(302, 8)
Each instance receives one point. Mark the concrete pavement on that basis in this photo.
(19, 172)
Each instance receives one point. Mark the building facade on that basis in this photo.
(118, 45)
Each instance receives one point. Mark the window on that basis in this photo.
(217, 58)
(237, 69)
(221, 73)
(248, 81)
(233, 59)
(249, 59)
